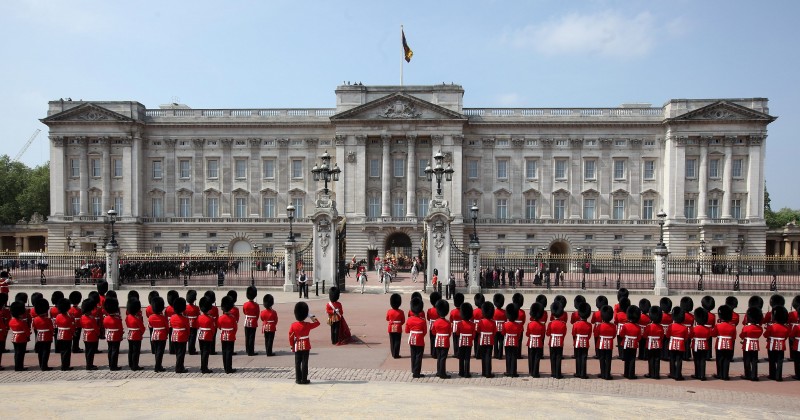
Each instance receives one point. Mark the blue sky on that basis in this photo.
(239, 54)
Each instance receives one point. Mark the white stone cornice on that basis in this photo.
(458, 139)
(576, 142)
(488, 141)
(58, 141)
(518, 141)
(283, 142)
(199, 143)
(254, 142)
(340, 139)
(361, 140)
(312, 142)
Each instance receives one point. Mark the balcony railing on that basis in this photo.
(564, 112)
(241, 113)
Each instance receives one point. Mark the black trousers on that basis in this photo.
(134, 351)
(535, 356)
(394, 344)
(665, 349)
(170, 344)
(605, 357)
(581, 358)
(775, 365)
(676, 364)
(700, 358)
(65, 349)
(433, 343)
(227, 356)
(498, 345)
(301, 366)
(724, 359)
(476, 347)
(42, 349)
(158, 349)
(250, 341)
(113, 354)
(654, 363)
(19, 355)
(90, 348)
(416, 359)
(205, 351)
(303, 290)
(687, 354)
(441, 361)
(629, 356)
(214, 344)
(335, 332)
(180, 355)
(76, 341)
(192, 341)
(269, 339)
(643, 349)
(464, 360)
(795, 355)
(511, 361)
(556, 355)
(750, 359)
(486, 360)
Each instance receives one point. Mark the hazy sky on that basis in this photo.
(272, 54)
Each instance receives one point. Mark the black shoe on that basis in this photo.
(160, 369)
(253, 354)
(193, 353)
(305, 382)
(114, 369)
(491, 375)
(64, 369)
(231, 371)
(680, 378)
(181, 371)
(270, 354)
(445, 376)
(207, 371)
(46, 369)
(418, 376)
(91, 367)
(468, 375)
(77, 350)
(647, 375)
(20, 369)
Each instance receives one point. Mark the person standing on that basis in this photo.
(414, 270)
(451, 285)
(455, 318)
(180, 333)
(604, 334)
(227, 327)
(269, 320)
(114, 331)
(5, 282)
(335, 312)
(43, 328)
(250, 310)
(535, 333)
(158, 332)
(432, 316)
(300, 341)
(396, 318)
(91, 332)
(556, 330)
(511, 336)
(65, 328)
(20, 334)
(700, 335)
(135, 333)
(500, 319)
(677, 335)
(631, 334)
(416, 328)
(485, 333)
(581, 336)
(653, 337)
(442, 330)
(776, 335)
(302, 283)
(192, 313)
(206, 331)
(477, 316)
(465, 335)
(75, 299)
(750, 335)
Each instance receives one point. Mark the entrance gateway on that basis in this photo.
(398, 247)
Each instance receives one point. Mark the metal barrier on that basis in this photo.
(734, 273)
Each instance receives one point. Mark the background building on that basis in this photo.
(190, 180)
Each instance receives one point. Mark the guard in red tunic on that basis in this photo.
(557, 331)
(477, 316)
(485, 334)
(168, 312)
(158, 332)
(700, 336)
(733, 302)
(500, 319)
(653, 337)
(575, 316)
(794, 341)
(395, 318)
(250, 310)
(335, 313)
(512, 332)
(65, 328)
(776, 335)
(113, 330)
(725, 332)
(677, 336)
(56, 297)
(206, 330)
(5, 317)
(415, 295)
(465, 335)
(750, 335)
(300, 341)
(149, 311)
(581, 337)
(442, 330)
(597, 319)
(542, 299)
(709, 303)
(416, 328)
(535, 333)
(180, 333)
(605, 334)
(43, 328)
(135, 332)
(5, 281)
(621, 293)
(455, 318)
(91, 331)
(644, 321)
(192, 312)
(519, 301)
(20, 334)
(687, 304)
(432, 316)
(774, 302)
(564, 317)
(631, 334)
(100, 311)
(227, 333)
(666, 320)
(269, 322)
(234, 310)
(620, 318)
(214, 313)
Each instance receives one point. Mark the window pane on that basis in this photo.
(530, 208)
(374, 168)
(186, 169)
(269, 207)
(269, 168)
(713, 168)
(399, 168)
(241, 207)
(422, 206)
(241, 168)
(96, 207)
(561, 169)
(398, 207)
(688, 209)
(559, 206)
(690, 168)
(156, 169)
(96, 168)
(185, 207)
(649, 169)
(619, 169)
(502, 208)
(158, 208)
(472, 169)
(502, 169)
(212, 207)
(589, 169)
(647, 209)
(298, 208)
(737, 168)
(118, 168)
(373, 206)
(118, 205)
(75, 168)
(213, 169)
(589, 208)
(530, 169)
(297, 168)
(76, 205)
(619, 209)
(423, 163)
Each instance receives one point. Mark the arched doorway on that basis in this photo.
(398, 247)
(559, 256)
(241, 247)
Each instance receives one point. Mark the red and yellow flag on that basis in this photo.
(406, 49)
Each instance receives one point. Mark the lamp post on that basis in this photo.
(662, 216)
(583, 253)
(473, 212)
(700, 285)
(324, 172)
(439, 171)
(290, 215)
(254, 265)
(112, 218)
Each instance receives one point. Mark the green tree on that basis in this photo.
(35, 198)
(23, 190)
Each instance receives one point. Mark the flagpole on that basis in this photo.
(401, 57)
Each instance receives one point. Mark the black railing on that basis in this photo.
(734, 273)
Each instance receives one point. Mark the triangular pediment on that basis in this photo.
(398, 106)
(531, 191)
(649, 191)
(502, 191)
(87, 113)
(590, 192)
(723, 111)
(620, 192)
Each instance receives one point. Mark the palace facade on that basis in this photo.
(544, 179)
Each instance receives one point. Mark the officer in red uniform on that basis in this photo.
(653, 337)
(485, 334)
(500, 319)
(207, 327)
(774, 302)
(250, 310)
(620, 318)
(709, 303)
(455, 318)
(168, 312)
(687, 304)
(192, 312)
(415, 295)
(535, 333)
(135, 332)
(605, 333)
(395, 318)
(180, 333)
(519, 301)
(700, 335)
(158, 334)
(148, 311)
(464, 336)
(644, 321)
(512, 332)
(75, 299)
(269, 322)
(621, 293)
(213, 313)
(776, 335)
(416, 328)
(725, 331)
(43, 328)
(20, 334)
(65, 328)
(597, 319)
(575, 316)
(5, 281)
(227, 333)
(581, 337)
(5, 317)
(750, 335)
(114, 331)
(666, 320)
(91, 331)
(300, 341)
(564, 317)
(442, 330)
(732, 303)
(477, 316)
(56, 297)
(234, 312)
(557, 331)
(335, 312)
(677, 336)
(794, 336)
(631, 335)
(432, 316)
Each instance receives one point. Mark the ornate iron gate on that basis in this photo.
(305, 258)
(341, 256)
(459, 264)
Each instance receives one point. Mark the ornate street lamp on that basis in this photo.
(662, 216)
(324, 172)
(473, 211)
(290, 215)
(112, 218)
(438, 170)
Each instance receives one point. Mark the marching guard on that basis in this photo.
(416, 328)
(269, 322)
(396, 318)
(465, 335)
(442, 330)
(113, 331)
(250, 310)
(299, 333)
(581, 337)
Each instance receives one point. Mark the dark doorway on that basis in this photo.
(398, 248)
(371, 254)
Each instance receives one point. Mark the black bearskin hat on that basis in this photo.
(665, 304)
(622, 293)
(111, 294)
(269, 300)
(134, 306)
(300, 310)
(607, 313)
(755, 302)
(157, 305)
(133, 294)
(678, 315)
(88, 305)
(416, 305)
(63, 306)
(171, 296)
(191, 296)
(21, 297)
(542, 300)
(442, 308)
(556, 309)
(499, 300)
(708, 303)
(754, 315)
(333, 294)
(700, 316)
(578, 300)
(3, 299)
(212, 297)
(95, 296)
(732, 302)
(395, 300)
(600, 302)
(512, 312)
(687, 304)
(777, 300)
(644, 306)
(179, 305)
(56, 297)
(41, 306)
(634, 314)
(435, 271)
(624, 304)
(434, 297)
(466, 311)
(488, 310)
(251, 292)
(584, 310)
(152, 295)
(479, 299)
(17, 308)
(655, 314)
(102, 287)
(233, 295)
(518, 300)
(536, 311)
(226, 303)
(562, 300)
(204, 304)
(779, 315)
(417, 295)
(111, 305)
(4, 274)
(796, 302)
(725, 313)
(35, 296)
(458, 299)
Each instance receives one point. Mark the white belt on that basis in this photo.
(205, 329)
(231, 329)
(397, 322)
(17, 332)
(302, 338)
(174, 329)
(272, 322)
(676, 338)
(442, 335)
(112, 329)
(486, 334)
(64, 329)
(159, 328)
(86, 329)
(251, 316)
(191, 317)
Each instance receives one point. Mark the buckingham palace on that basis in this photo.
(557, 179)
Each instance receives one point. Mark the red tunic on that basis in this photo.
(620, 318)
(477, 316)
(75, 313)
(191, 313)
(596, 319)
(207, 327)
(299, 333)
(563, 318)
(158, 323)
(581, 333)
(53, 315)
(455, 318)
(148, 311)
(4, 283)
(91, 331)
(700, 335)
(269, 320)
(726, 335)
(795, 335)
(43, 327)
(511, 333)
(630, 334)
(735, 319)
(250, 310)
(712, 319)
(416, 328)
(235, 314)
(666, 320)
(441, 331)
(396, 318)
(605, 333)
(485, 332)
(465, 333)
(432, 316)
(113, 326)
(65, 327)
(776, 335)
(227, 327)
(135, 327)
(500, 318)
(334, 308)
(677, 334)
(3, 330)
(557, 330)
(20, 332)
(575, 317)
(535, 333)
(180, 328)
(214, 312)
(653, 334)
(421, 314)
(750, 336)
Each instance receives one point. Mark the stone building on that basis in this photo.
(190, 180)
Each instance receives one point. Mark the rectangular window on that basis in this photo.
(373, 206)
(619, 169)
(649, 169)
(530, 208)
(74, 168)
(561, 169)
(297, 169)
(423, 163)
(501, 209)
(157, 170)
(647, 209)
(530, 168)
(374, 168)
(298, 208)
(502, 169)
(713, 168)
(268, 207)
(559, 208)
(472, 169)
(647, 252)
(691, 168)
(589, 206)
(212, 207)
(619, 209)
(530, 251)
(736, 209)
(95, 166)
(117, 169)
(398, 207)
(422, 206)
(185, 207)
(713, 208)
(689, 208)
(118, 205)
(240, 209)
(185, 167)
(75, 204)
(212, 169)
(399, 168)
(97, 208)
(737, 170)
(240, 167)
(590, 170)
(158, 206)
(269, 168)
(588, 237)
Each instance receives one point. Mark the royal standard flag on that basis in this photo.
(406, 50)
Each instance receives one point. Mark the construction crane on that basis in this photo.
(28, 144)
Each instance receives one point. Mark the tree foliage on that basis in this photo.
(23, 190)
(779, 219)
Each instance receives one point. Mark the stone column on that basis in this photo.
(755, 178)
(254, 178)
(702, 176)
(457, 187)
(325, 219)
(169, 175)
(341, 159)
(199, 176)
(438, 240)
(411, 176)
(386, 193)
(726, 177)
(604, 177)
(58, 205)
(127, 181)
(283, 176)
(474, 285)
(84, 169)
(661, 275)
(635, 179)
(226, 176)
(112, 265)
(107, 174)
(362, 166)
(137, 180)
(289, 259)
